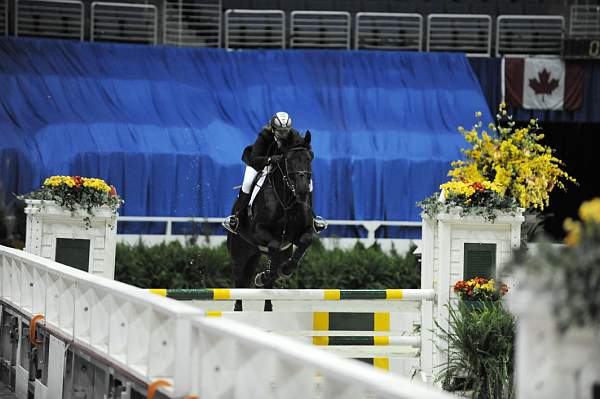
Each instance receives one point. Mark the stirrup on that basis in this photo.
(231, 224)
(319, 224)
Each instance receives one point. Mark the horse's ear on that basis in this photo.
(307, 138)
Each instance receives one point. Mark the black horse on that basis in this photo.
(280, 217)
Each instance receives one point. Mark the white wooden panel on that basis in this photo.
(21, 381)
(41, 391)
(56, 366)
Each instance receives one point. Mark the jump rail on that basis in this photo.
(293, 294)
(387, 328)
(143, 338)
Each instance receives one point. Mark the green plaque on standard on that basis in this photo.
(73, 252)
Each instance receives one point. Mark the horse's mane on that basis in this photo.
(299, 146)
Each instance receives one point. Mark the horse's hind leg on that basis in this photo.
(243, 271)
(268, 305)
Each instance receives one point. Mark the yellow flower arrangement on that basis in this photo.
(76, 192)
(504, 169)
(479, 288)
(72, 181)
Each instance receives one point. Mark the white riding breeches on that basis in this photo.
(249, 176)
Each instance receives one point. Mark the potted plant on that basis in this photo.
(480, 351)
(479, 291)
(83, 196)
(505, 170)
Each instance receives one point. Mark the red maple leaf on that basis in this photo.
(543, 85)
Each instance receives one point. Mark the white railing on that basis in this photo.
(529, 35)
(124, 22)
(254, 29)
(227, 357)
(320, 29)
(471, 34)
(4, 17)
(585, 20)
(371, 226)
(192, 23)
(49, 18)
(388, 31)
(149, 338)
(120, 324)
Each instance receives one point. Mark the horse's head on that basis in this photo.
(298, 161)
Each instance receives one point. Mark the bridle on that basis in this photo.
(287, 181)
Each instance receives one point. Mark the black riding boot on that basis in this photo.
(232, 222)
(319, 224)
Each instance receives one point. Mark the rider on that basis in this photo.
(279, 130)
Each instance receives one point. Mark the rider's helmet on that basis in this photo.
(281, 123)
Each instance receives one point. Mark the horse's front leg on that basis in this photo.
(288, 267)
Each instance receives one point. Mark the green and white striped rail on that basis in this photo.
(294, 294)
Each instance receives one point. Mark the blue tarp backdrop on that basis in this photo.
(167, 126)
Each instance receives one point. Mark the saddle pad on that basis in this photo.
(259, 183)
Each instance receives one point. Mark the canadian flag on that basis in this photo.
(543, 83)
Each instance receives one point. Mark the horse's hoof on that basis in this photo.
(286, 270)
(285, 276)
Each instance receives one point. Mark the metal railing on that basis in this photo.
(199, 23)
(192, 23)
(320, 29)
(471, 34)
(585, 21)
(388, 31)
(124, 22)
(4, 17)
(254, 29)
(529, 35)
(62, 19)
(148, 337)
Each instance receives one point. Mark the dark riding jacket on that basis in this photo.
(257, 155)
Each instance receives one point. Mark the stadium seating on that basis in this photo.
(489, 7)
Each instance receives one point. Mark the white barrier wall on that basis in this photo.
(57, 234)
(145, 338)
(551, 365)
(443, 256)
